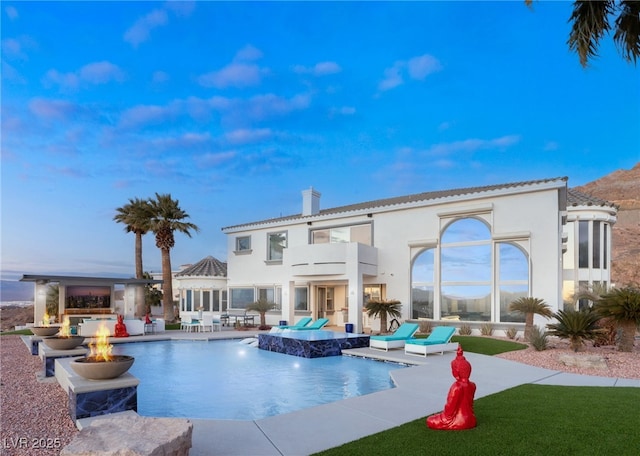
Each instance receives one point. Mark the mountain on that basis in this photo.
(622, 188)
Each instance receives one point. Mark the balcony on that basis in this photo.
(331, 259)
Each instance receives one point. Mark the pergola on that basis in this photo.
(100, 298)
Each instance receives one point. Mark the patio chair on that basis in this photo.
(395, 340)
(318, 324)
(438, 341)
(206, 323)
(186, 324)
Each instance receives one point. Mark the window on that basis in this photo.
(583, 244)
(513, 279)
(188, 301)
(266, 294)
(342, 234)
(466, 270)
(301, 298)
(605, 253)
(277, 242)
(422, 285)
(243, 244)
(595, 257)
(241, 297)
(206, 300)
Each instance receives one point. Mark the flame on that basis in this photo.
(45, 319)
(101, 349)
(65, 329)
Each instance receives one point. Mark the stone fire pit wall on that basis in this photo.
(89, 398)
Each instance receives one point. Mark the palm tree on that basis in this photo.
(262, 306)
(591, 20)
(136, 216)
(530, 307)
(623, 306)
(383, 308)
(167, 217)
(575, 325)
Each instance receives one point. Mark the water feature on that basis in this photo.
(230, 380)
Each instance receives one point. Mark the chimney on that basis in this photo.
(310, 202)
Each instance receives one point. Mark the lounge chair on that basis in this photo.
(300, 324)
(395, 340)
(318, 324)
(438, 341)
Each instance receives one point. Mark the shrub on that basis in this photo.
(575, 325)
(465, 330)
(486, 329)
(538, 338)
(511, 333)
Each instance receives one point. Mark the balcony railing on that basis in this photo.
(331, 259)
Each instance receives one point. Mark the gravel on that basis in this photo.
(34, 419)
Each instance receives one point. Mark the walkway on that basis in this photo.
(420, 391)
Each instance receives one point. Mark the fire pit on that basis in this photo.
(64, 341)
(44, 331)
(101, 364)
(97, 369)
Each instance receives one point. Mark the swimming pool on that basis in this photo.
(229, 380)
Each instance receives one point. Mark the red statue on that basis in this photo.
(121, 329)
(147, 320)
(458, 411)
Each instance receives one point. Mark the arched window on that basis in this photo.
(513, 279)
(422, 285)
(466, 270)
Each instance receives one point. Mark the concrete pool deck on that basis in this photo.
(420, 391)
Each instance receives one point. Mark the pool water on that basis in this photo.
(230, 380)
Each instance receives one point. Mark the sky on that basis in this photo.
(235, 108)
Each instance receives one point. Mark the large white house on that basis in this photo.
(461, 254)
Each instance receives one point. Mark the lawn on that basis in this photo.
(525, 420)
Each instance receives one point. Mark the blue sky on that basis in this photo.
(235, 108)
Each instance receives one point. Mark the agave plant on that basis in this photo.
(530, 307)
(623, 306)
(383, 309)
(575, 325)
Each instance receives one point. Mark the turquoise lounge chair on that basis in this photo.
(438, 341)
(395, 340)
(319, 323)
(300, 324)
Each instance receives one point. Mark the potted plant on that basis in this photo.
(383, 308)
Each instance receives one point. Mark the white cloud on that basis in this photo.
(472, 145)
(52, 109)
(233, 75)
(319, 69)
(12, 12)
(248, 53)
(139, 32)
(416, 68)
(146, 115)
(392, 77)
(214, 159)
(422, 66)
(94, 73)
(159, 77)
(246, 136)
(101, 73)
